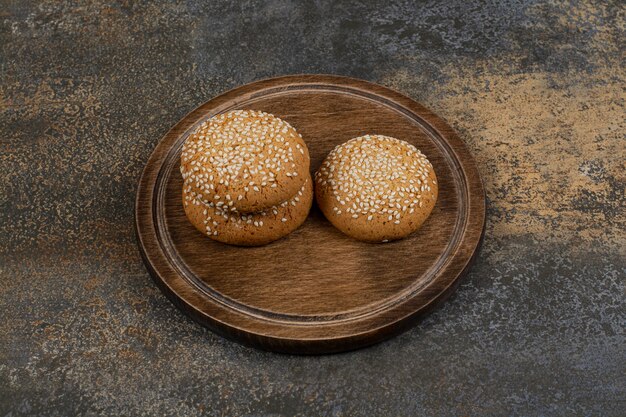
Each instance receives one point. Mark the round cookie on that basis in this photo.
(253, 229)
(249, 160)
(376, 188)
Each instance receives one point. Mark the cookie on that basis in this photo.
(376, 188)
(226, 225)
(247, 159)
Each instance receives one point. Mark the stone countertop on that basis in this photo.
(536, 90)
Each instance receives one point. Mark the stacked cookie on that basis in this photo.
(246, 178)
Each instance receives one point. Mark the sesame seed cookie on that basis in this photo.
(376, 188)
(253, 229)
(249, 160)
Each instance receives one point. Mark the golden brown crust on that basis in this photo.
(252, 229)
(247, 159)
(376, 188)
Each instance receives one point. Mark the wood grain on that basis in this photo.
(317, 290)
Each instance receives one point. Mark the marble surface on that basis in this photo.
(536, 90)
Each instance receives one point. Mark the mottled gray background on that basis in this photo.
(537, 91)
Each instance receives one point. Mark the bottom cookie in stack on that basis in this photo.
(229, 226)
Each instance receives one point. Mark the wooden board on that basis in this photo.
(317, 290)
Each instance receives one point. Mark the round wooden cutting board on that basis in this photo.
(317, 290)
